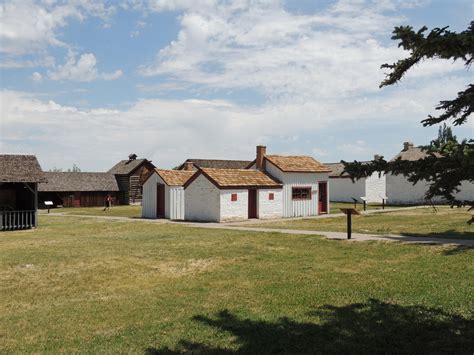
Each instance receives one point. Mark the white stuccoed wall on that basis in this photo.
(401, 191)
(270, 208)
(202, 201)
(343, 189)
(467, 191)
(234, 210)
(298, 208)
(375, 187)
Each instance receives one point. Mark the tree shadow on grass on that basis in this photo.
(371, 327)
(447, 234)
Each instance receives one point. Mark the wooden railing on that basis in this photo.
(13, 220)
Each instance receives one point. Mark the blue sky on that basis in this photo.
(88, 82)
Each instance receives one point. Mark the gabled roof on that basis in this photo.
(338, 168)
(217, 163)
(174, 177)
(413, 154)
(125, 167)
(236, 178)
(297, 164)
(20, 168)
(78, 181)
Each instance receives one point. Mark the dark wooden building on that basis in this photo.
(79, 189)
(19, 178)
(130, 175)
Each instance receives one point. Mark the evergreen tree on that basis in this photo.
(449, 163)
(445, 135)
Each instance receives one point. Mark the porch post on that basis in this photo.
(36, 204)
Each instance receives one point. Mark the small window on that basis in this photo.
(301, 193)
(233, 197)
(271, 196)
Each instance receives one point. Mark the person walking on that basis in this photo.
(108, 202)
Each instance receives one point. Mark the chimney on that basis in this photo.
(261, 151)
(407, 145)
(377, 157)
(188, 166)
(132, 157)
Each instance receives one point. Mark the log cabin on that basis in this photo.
(130, 175)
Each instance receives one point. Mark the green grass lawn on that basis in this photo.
(116, 211)
(88, 286)
(444, 222)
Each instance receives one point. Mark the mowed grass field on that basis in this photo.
(444, 222)
(88, 286)
(115, 211)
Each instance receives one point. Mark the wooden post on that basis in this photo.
(383, 203)
(365, 205)
(36, 204)
(349, 212)
(349, 225)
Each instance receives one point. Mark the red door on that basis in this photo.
(323, 197)
(77, 199)
(160, 201)
(253, 203)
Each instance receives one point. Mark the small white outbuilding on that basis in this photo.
(343, 189)
(216, 195)
(163, 194)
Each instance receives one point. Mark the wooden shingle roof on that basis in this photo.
(217, 163)
(413, 154)
(78, 181)
(297, 164)
(174, 177)
(20, 168)
(237, 178)
(126, 167)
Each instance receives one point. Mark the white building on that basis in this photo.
(216, 195)
(163, 194)
(305, 182)
(402, 191)
(272, 186)
(343, 189)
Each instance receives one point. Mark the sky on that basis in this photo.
(87, 82)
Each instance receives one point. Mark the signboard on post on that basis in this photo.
(349, 212)
(49, 204)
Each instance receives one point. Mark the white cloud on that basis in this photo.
(37, 77)
(30, 26)
(259, 45)
(168, 131)
(83, 69)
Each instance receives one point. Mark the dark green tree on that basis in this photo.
(445, 134)
(448, 164)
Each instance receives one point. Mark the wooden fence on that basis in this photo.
(13, 220)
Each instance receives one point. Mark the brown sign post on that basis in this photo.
(349, 212)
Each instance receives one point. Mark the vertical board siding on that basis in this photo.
(174, 199)
(176, 203)
(298, 208)
(149, 197)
